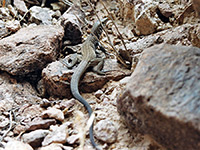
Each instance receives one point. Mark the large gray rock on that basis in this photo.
(30, 49)
(162, 98)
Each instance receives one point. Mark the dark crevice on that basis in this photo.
(162, 17)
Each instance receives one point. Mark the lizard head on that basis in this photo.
(97, 27)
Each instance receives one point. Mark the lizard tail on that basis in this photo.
(75, 92)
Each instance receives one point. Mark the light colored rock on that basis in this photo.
(59, 134)
(73, 139)
(35, 138)
(3, 30)
(41, 15)
(3, 122)
(17, 145)
(14, 93)
(13, 25)
(56, 146)
(106, 131)
(20, 6)
(40, 124)
(165, 9)
(98, 94)
(53, 113)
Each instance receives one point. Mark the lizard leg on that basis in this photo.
(98, 65)
(70, 60)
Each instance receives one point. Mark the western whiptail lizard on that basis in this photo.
(88, 58)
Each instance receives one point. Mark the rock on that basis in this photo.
(147, 17)
(59, 134)
(73, 21)
(5, 13)
(17, 145)
(53, 113)
(67, 104)
(40, 124)
(3, 30)
(12, 10)
(59, 6)
(144, 24)
(196, 5)
(40, 15)
(13, 25)
(73, 139)
(35, 138)
(30, 111)
(56, 146)
(56, 78)
(194, 35)
(37, 46)
(165, 10)
(185, 34)
(162, 97)
(4, 122)
(106, 131)
(14, 93)
(19, 129)
(98, 94)
(20, 6)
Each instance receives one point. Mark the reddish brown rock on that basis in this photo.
(56, 79)
(196, 5)
(162, 98)
(30, 49)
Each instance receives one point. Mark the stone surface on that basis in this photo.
(13, 25)
(35, 138)
(40, 15)
(30, 49)
(144, 24)
(14, 93)
(196, 5)
(59, 134)
(3, 30)
(17, 145)
(194, 35)
(165, 9)
(40, 124)
(162, 98)
(73, 21)
(53, 113)
(56, 78)
(20, 6)
(56, 146)
(185, 34)
(106, 131)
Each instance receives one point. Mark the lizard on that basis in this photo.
(88, 51)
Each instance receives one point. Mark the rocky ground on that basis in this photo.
(136, 108)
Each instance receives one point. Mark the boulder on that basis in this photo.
(30, 49)
(162, 98)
